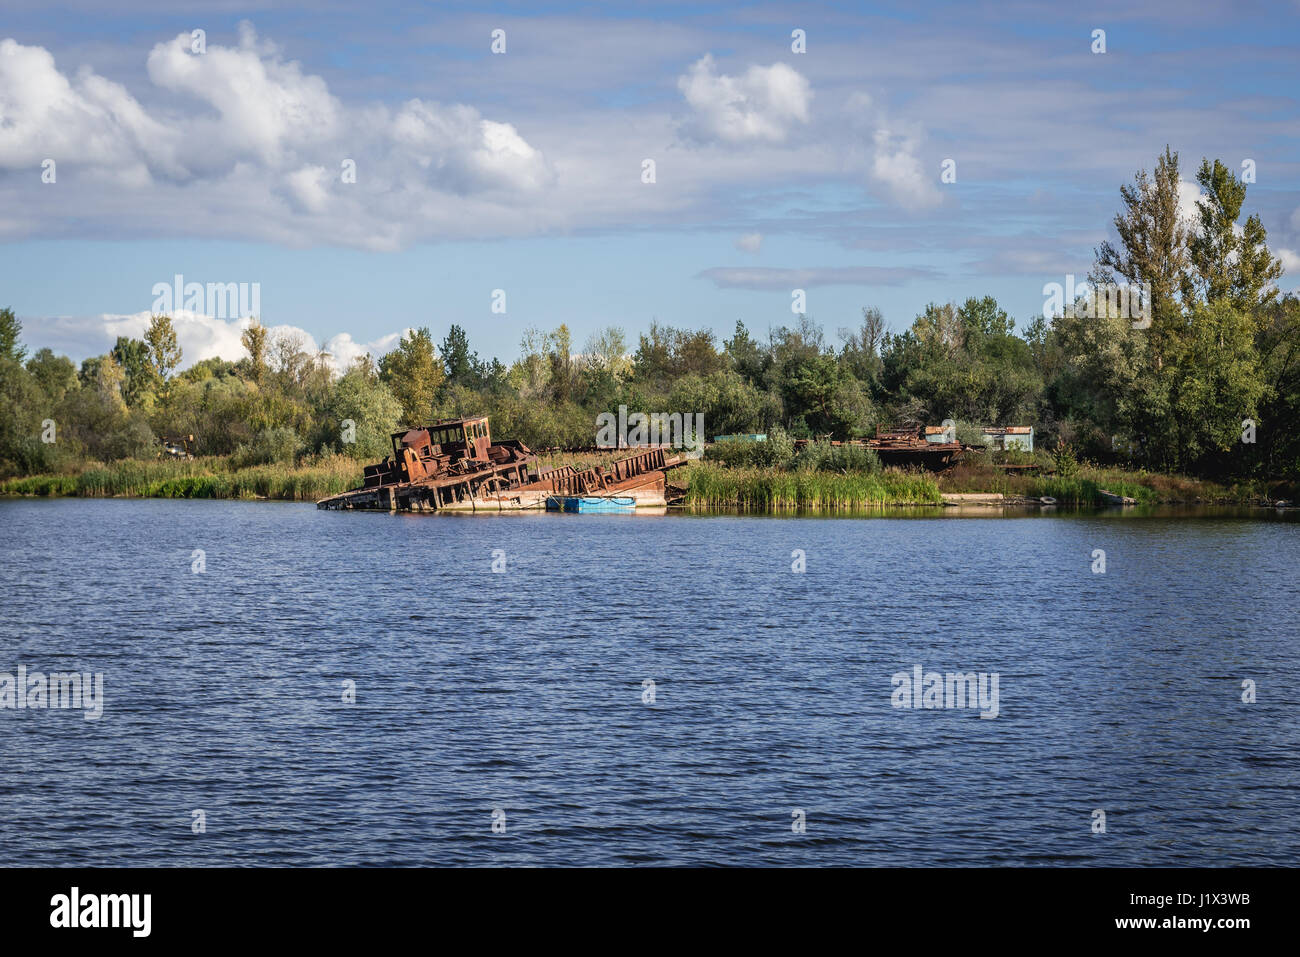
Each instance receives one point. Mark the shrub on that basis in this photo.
(269, 447)
(824, 457)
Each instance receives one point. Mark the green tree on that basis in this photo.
(860, 354)
(1219, 383)
(413, 373)
(746, 356)
(23, 407)
(164, 349)
(54, 375)
(653, 360)
(530, 372)
(1229, 263)
(11, 330)
(1153, 248)
(254, 340)
(457, 360)
(140, 375)
(563, 370)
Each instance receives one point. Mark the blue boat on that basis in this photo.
(588, 504)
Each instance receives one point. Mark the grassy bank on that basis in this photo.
(200, 478)
(712, 484)
(1085, 485)
(771, 489)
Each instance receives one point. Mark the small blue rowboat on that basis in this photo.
(616, 504)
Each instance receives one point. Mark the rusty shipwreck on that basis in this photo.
(455, 465)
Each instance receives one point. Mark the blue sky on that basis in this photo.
(522, 170)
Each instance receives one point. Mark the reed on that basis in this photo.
(769, 489)
(200, 478)
(1084, 487)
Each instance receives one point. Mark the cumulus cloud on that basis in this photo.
(200, 337)
(747, 277)
(244, 128)
(897, 168)
(1189, 202)
(893, 162)
(264, 109)
(309, 188)
(44, 115)
(750, 242)
(761, 105)
(1291, 263)
(462, 151)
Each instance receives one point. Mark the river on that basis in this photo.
(283, 686)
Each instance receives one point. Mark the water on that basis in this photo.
(522, 691)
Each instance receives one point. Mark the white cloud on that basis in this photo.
(253, 146)
(266, 109)
(1189, 201)
(463, 152)
(308, 188)
(91, 121)
(761, 105)
(892, 161)
(1291, 263)
(344, 350)
(750, 242)
(895, 166)
(200, 337)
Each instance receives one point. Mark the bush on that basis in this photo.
(1065, 460)
(776, 452)
(269, 447)
(848, 459)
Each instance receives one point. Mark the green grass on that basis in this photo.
(201, 478)
(708, 484)
(769, 489)
(1084, 487)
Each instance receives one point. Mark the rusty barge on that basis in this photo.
(906, 448)
(454, 465)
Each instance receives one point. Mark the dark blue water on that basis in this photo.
(522, 691)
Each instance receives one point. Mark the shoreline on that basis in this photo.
(702, 485)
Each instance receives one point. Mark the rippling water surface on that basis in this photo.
(523, 690)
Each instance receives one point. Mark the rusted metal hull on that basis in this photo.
(513, 487)
(906, 448)
(431, 495)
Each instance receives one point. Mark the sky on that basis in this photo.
(369, 168)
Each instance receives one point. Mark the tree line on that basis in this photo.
(1210, 385)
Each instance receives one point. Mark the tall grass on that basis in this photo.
(1084, 487)
(201, 478)
(767, 489)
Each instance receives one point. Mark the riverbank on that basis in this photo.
(1088, 486)
(705, 484)
(772, 489)
(212, 477)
